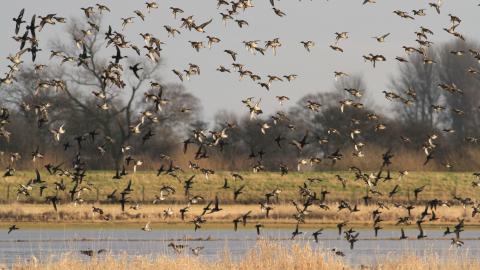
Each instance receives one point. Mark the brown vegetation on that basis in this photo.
(282, 214)
(264, 256)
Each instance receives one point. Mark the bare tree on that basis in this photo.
(422, 79)
(462, 99)
(123, 100)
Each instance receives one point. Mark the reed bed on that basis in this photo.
(281, 214)
(428, 262)
(264, 256)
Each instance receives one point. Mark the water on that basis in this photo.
(44, 243)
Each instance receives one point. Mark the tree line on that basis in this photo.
(428, 103)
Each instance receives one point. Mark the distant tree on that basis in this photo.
(96, 90)
(354, 81)
(422, 79)
(456, 68)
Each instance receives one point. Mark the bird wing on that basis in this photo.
(203, 25)
(38, 179)
(32, 25)
(20, 16)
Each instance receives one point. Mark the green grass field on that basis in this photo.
(146, 185)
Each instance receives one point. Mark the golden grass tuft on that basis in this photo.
(428, 262)
(265, 255)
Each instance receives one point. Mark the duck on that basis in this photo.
(126, 21)
(196, 250)
(91, 253)
(147, 227)
(151, 5)
(201, 28)
(176, 11)
(316, 234)
(308, 45)
(19, 21)
(258, 226)
(12, 228)
(381, 38)
(296, 232)
(402, 236)
(212, 40)
(177, 247)
(278, 12)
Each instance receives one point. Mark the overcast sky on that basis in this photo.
(315, 20)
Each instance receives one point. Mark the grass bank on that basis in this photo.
(146, 185)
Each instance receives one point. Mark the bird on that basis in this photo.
(91, 253)
(278, 12)
(135, 68)
(403, 236)
(308, 45)
(334, 250)
(178, 73)
(151, 5)
(237, 192)
(212, 40)
(316, 234)
(296, 232)
(19, 21)
(12, 228)
(139, 14)
(232, 54)
(421, 234)
(235, 223)
(53, 200)
(196, 250)
(258, 226)
(201, 28)
(57, 132)
(126, 21)
(113, 126)
(456, 242)
(147, 228)
(381, 38)
(178, 248)
(176, 11)
(436, 5)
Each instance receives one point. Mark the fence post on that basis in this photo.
(98, 194)
(143, 193)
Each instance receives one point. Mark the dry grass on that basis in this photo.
(281, 214)
(146, 185)
(428, 262)
(264, 256)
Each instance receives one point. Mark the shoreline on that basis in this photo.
(213, 225)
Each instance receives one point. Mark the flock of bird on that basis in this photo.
(112, 78)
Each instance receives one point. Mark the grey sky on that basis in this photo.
(306, 20)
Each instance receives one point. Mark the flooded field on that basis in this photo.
(24, 244)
